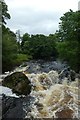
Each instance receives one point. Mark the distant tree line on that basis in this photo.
(64, 44)
(39, 46)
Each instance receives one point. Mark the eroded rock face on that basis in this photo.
(18, 82)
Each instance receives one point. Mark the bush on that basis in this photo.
(21, 58)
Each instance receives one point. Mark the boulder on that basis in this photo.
(18, 82)
(15, 108)
(66, 113)
(12, 107)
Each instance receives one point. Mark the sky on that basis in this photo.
(38, 16)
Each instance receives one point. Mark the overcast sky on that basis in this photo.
(38, 16)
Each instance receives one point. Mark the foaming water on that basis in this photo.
(53, 100)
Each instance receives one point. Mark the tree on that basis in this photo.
(39, 46)
(69, 29)
(5, 14)
(9, 50)
(9, 44)
(24, 43)
(69, 25)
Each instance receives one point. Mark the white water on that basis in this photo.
(7, 91)
(53, 99)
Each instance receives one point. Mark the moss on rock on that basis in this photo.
(18, 82)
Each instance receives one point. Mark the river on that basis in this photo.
(54, 97)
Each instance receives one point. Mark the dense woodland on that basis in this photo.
(63, 45)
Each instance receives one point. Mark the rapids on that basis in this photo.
(54, 97)
(53, 100)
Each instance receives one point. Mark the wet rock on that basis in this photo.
(68, 73)
(65, 113)
(78, 75)
(64, 73)
(40, 66)
(45, 81)
(13, 108)
(18, 82)
(72, 75)
(39, 106)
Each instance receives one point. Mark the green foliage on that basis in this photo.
(8, 42)
(5, 14)
(25, 38)
(69, 25)
(39, 46)
(21, 58)
(69, 48)
(10, 53)
(9, 49)
(65, 43)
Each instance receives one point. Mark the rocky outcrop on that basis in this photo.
(13, 108)
(18, 82)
